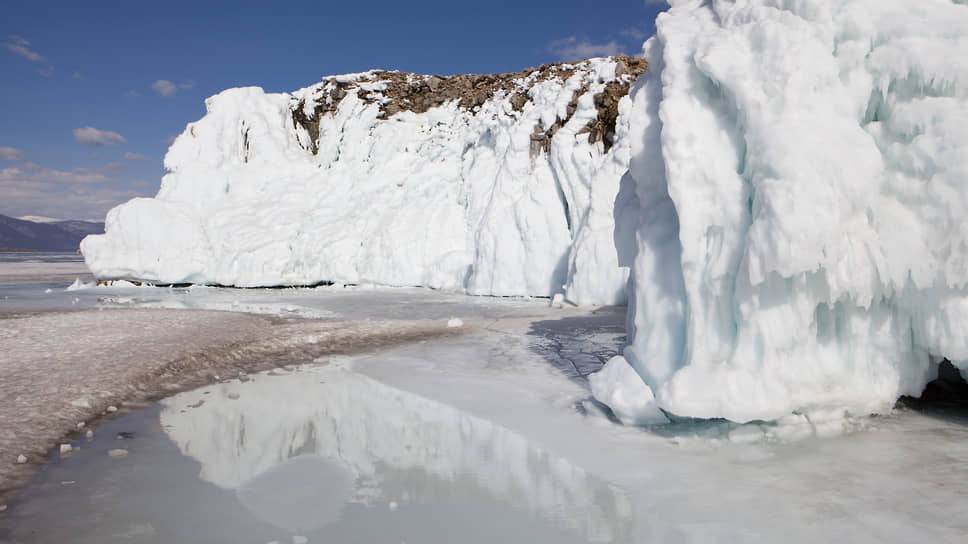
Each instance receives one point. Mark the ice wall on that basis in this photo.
(498, 184)
(797, 189)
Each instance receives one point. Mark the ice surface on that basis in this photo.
(797, 189)
(376, 449)
(41, 267)
(477, 436)
(452, 198)
(127, 343)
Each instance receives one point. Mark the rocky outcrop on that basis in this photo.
(401, 91)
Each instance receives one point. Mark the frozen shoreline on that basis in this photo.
(108, 358)
(132, 345)
(490, 435)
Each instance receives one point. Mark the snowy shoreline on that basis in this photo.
(389, 440)
(128, 357)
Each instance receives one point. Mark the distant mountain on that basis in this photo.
(45, 236)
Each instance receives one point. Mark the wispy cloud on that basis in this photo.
(21, 47)
(574, 48)
(136, 157)
(168, 88)
(164, 88)
(10, 154)
(81, 193)
(82, 201)
(76, 75)
(96, 137)
(634, 34)
(34, 173)
(131, 94)
(46, 72)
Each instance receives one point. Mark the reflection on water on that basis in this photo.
(298, 449)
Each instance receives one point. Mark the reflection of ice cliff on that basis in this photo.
(395, 446)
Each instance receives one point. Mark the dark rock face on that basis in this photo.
(418, 93)
(59, 236)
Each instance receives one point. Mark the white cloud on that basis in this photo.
(46, 72)
(82, 193)
(94, 137)
(572, 48)
(31, 173)
(19, 46)
(136, 157)
(76, 75)
(10, 154)
(634, 34)
(169, 89)
(90, 202)
(132, 94)
(165, 88)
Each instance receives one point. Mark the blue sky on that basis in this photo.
(93, 92)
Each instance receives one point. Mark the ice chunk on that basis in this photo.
(455, 322)
(618, 386)
(799, 192)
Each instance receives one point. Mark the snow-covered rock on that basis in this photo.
(495, 184)
(797, 189)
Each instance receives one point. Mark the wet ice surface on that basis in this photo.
(67, 354)
(485, 436)
(42, 290)
(477, 439)
(36, 281)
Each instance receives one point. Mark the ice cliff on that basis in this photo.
(495, 184)
(797, 193)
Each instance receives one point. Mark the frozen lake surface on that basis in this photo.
(479, 433)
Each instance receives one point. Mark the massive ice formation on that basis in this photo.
(798, 180)
(497, 184)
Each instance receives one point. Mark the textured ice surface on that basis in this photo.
(475, 439)
(41, 267)
(450, 198)
(129, 343)
(798, 183)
